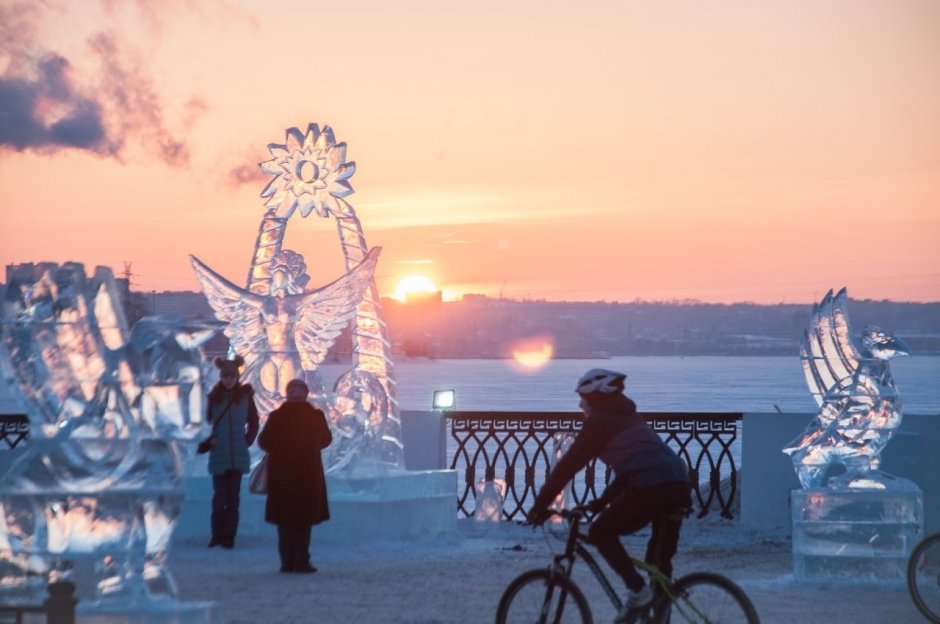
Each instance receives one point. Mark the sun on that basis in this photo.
(413, 284)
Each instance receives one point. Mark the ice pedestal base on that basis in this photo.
(397, 505)
(403, 505)
(860, 535)
(156, 612)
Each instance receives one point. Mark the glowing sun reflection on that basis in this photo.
(532, 354)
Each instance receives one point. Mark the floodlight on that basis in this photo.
(444, 399)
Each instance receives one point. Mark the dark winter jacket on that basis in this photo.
(293, 437)
(619, 437)
(236, 430)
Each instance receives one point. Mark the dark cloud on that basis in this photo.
(83, 129)
(23, 124)
(17, 126)
(43, 109)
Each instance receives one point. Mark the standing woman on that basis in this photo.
(293, 437)
(234, 420)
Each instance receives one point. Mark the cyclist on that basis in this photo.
(652, 483)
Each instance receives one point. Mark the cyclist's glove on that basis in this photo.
(537, 516)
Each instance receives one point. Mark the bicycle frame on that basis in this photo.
(574, 548)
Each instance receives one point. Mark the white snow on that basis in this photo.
(461, 578)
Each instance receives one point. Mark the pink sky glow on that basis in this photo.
(761, 151)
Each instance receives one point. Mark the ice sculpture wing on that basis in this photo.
(239, 308)
(324, 312)
(827, 352)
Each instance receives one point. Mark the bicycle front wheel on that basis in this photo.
(706, 597)
(538, 596)
(923, 577)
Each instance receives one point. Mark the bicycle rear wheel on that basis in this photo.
(923, 577)
(706, 597)
(542, 597)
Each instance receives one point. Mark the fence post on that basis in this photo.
(60, 605)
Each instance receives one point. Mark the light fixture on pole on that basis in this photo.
(444, 400)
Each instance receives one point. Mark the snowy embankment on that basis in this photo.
(460, 578)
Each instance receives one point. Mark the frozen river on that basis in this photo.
(656, 383)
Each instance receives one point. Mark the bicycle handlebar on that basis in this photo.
(580, 511)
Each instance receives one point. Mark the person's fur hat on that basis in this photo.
(225, 365)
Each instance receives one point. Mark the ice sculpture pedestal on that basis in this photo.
(404, 504)
(854, 534)
(398, 505)
(152, 612)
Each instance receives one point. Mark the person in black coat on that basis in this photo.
(293, 437)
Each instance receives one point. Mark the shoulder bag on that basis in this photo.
(258, 479)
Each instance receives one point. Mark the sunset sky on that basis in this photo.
(676, 149)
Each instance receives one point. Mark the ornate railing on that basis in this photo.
(14, 428)
(515, 451)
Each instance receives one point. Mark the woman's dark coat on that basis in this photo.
(293, 437)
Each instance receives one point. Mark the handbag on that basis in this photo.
(258, 479)
(206, 445)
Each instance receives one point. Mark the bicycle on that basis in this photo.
(923, 577)
(549, 594)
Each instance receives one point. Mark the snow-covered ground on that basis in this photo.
(460, 578)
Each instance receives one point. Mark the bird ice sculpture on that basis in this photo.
(859, 405)
(94, 495)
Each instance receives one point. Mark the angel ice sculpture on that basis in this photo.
(859, 405)
(284, 329)
(287, 333)
(95, 493)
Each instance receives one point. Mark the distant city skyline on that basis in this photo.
(483, 327)
(616, 151)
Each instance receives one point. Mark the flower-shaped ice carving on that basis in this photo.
(310, 173)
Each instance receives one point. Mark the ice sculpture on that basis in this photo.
(859, 405)
(283, 328)
(95, 493)
(287, 333)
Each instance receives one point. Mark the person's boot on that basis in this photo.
(636, 601)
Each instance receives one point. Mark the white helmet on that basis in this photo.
(600, 380)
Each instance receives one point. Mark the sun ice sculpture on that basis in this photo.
(94, 494)
(284, 328)
(859, 404)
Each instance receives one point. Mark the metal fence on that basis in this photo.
(14, 428)
(513, 452)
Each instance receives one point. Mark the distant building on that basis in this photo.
(479, 326)
(189, 304)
